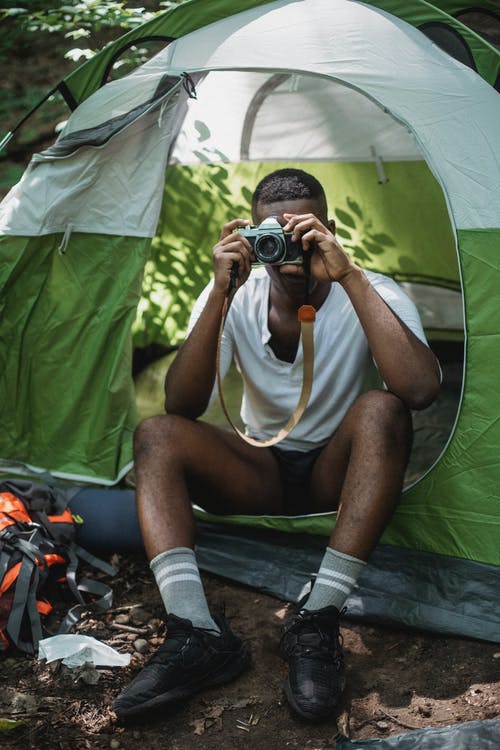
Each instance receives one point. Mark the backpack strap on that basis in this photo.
(25, 597)
(87, 586)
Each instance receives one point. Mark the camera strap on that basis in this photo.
(306, 315)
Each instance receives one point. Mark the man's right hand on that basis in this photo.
(231, 248)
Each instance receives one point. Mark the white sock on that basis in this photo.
(336, 577)
(178, 578)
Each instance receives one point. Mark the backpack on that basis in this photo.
(38, 564)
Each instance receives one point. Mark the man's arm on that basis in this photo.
(190, 378)
(408, 367)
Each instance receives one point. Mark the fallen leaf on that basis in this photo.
(7, 724)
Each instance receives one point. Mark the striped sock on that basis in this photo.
(178, 578)
(336, 577)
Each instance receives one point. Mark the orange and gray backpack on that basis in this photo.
(38, 565)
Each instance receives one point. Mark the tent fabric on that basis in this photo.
(114, 187)
(428, 16)
(336, 123)
(195, 14)
(65, 352)
(367, 63)
(441, 119)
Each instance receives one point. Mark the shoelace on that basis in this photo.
(330, 641)
(177, 638)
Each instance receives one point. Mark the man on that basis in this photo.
(348, 452)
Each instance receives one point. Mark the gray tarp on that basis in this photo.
(473, 735)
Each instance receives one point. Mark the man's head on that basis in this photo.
(288, 191)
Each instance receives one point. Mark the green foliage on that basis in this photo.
(7, 725)
(356, 233)
(197, 202)
(76, 19)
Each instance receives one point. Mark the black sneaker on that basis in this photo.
(189, 659)
(316, 678)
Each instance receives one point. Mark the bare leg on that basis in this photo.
(178, 460)
(362, 469)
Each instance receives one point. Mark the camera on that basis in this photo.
(271, 245)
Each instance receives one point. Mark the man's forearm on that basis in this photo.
(407, 366)
(190, 379)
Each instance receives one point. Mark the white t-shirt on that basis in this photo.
(272, 387)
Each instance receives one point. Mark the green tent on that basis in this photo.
(393, 105)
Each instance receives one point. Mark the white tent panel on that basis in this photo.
(453, 113)
(113, 189)
(304, 117)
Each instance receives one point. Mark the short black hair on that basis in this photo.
(288, 184)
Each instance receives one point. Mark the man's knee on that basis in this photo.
(157, 433)
(383, 413)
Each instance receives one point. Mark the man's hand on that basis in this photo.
(329, 261)
(231, 248)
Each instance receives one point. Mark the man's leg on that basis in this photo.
(361, 472)
(176, 461)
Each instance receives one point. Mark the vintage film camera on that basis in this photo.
(271, 245)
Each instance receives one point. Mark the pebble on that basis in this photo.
(114, 744)
(141, 646)
(122, 619)
(496, 655)
(139, 616)
(382, 725)
(24, 703)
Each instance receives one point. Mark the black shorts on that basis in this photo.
(295, 472)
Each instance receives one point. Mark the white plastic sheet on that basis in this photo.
(75, 650)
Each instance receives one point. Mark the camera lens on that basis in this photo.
(269, 248)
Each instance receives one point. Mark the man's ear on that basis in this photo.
(332, 226)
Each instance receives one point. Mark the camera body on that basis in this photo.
(271, 245)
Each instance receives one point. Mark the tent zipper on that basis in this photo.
(65, 240)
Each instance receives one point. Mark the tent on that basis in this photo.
(395, 107)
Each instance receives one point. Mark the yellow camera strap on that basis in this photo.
(306, 316)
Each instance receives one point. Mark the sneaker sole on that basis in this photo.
(308, 714)
(229, 671)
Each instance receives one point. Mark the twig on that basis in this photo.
(123, 608)
(394, 645)
(129, 628)
(397, 721)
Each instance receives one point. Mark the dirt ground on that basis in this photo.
(397, 681)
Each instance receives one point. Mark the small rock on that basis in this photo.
(24, 703)
(139, 616)
(382, 725)
(141, 646)
(122, 619)
(114, 744)
(86, 673)
(496, 655)
(424, 711)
